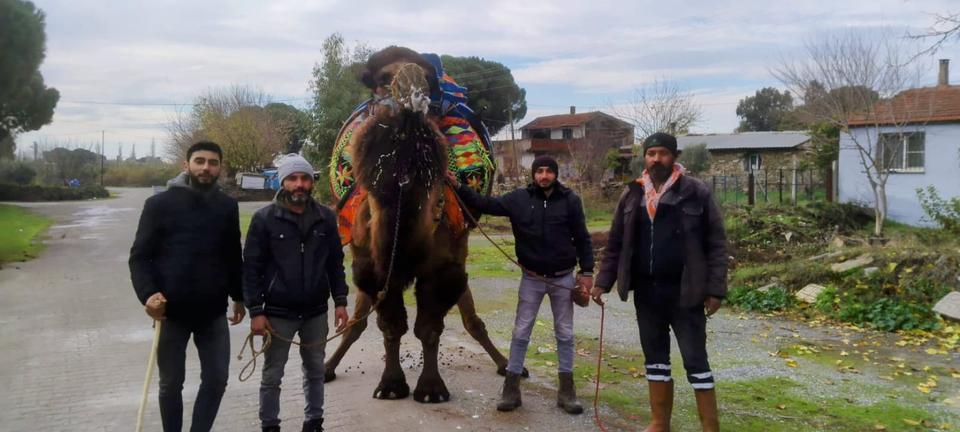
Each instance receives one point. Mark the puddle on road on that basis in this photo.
(95, 216)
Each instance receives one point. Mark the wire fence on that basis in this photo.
(778, 187)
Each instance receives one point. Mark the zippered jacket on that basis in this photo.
(699, 237)
(290, 272)
(550, 231)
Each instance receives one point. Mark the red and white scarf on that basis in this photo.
(651, 194)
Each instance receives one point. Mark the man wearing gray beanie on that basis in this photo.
(293, 265)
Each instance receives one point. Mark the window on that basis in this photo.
(902, 152)
(752, 162)
(567, 133)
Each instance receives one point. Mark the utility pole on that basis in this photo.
(102, 155)
(513, 142)
(35, 151)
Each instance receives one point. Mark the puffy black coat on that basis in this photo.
(187, 246)
(289, 274)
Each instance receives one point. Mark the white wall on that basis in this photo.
(941, 169)
(578, 132)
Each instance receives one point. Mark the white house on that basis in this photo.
(919, 146)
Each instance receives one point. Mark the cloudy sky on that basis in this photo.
(128, 67)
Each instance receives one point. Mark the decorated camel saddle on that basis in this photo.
(468, 149)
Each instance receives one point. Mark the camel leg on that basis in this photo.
(478, 330)
(360, 309)
(436, 294)
(392, 320)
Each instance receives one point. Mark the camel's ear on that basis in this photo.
(366, 77)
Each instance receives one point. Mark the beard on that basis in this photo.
(292, 197)
(659, 173)
(197, 183)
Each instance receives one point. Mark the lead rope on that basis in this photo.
(251, 366)
(603, 309)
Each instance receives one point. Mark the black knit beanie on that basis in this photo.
(545, 161)
(661, 139)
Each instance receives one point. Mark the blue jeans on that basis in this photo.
(532, 291)
(313, 331)
(213, 346)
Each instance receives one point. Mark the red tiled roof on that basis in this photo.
(922, 105)
(565, 120)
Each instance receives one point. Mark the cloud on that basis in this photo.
(564, 52)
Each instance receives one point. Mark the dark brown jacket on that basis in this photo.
(704, 242)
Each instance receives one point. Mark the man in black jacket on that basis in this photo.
(551, 238)
(293, 265)
(667, 245)
(184, 263)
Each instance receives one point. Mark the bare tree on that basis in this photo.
(945, 26)
(661, 106)
(856, 82)
(235, 118)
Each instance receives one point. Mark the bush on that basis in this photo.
(19, 173)
(133, 174)
(774, 299)
(944, 213)
(13, 192)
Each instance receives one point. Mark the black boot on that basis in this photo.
(511, 393)
(271, 429)
(313, 426)
(567, 394)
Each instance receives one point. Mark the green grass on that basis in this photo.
(18, 231)
(484, 260)
(245, 223)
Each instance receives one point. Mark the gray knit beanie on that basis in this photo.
(293, 163)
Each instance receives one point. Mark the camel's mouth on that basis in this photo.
(406, 88)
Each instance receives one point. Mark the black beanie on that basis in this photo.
(545, 161)
(661, 139)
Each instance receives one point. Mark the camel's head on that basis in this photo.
(401, 78)
(399, 146)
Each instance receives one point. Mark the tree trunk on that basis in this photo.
(6, 144)
(880, 208)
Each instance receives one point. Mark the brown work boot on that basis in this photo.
(511, 393)
(707, 408)
(661, 405)
(567, 394)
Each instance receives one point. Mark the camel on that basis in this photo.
(399, 158)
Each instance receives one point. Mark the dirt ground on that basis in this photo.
(74, 343)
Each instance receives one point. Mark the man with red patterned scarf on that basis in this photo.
(667, 245)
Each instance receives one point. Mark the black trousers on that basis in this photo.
(690, 327)
(212, 339)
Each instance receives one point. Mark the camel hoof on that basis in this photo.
(502, 371)
(431, 390)
(392, 388)
(329, 375)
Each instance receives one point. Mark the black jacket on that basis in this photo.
(699, 233)
(289, 274)
(188, 247)
(550, 232)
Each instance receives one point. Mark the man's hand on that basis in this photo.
(340, 318)
(259, 325)
(452, 178)
(238, 313)
(711, 305)
(586, 282)
(597, 294)
(156, 307)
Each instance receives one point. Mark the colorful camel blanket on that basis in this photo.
(469, 155)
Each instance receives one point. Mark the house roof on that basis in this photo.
(746, 140)
(568, 120)
(921, 105)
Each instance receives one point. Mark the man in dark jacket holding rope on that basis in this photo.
(551, 238)
(184, 263)
(667, 245)
(293, 265)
